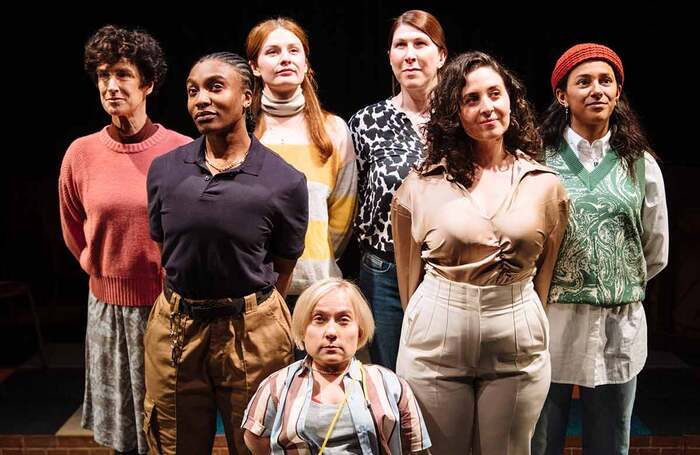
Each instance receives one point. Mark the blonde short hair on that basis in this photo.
(314, 293)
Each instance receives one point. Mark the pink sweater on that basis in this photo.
(102, 197)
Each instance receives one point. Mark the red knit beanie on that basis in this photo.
(582, 52)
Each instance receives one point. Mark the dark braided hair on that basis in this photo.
(244, 72)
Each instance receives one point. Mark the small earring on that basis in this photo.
(566, 108)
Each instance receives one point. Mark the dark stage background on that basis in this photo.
(55, 102)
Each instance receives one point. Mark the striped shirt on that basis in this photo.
(390, 423)
(332, 186)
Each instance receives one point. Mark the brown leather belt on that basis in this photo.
(215, 308)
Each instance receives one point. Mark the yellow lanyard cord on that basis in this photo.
(340, 407)
(335, 418)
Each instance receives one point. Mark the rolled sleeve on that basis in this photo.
(259, 416)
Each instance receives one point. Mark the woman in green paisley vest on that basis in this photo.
(616, 240)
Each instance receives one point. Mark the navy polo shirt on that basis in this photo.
(220, 232)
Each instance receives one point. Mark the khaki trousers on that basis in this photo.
(220, 367)
(476, 358)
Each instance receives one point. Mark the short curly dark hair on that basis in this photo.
(110, 44)
(445, 134)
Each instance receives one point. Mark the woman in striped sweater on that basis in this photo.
(291, 121)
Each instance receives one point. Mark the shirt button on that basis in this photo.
(207, 177)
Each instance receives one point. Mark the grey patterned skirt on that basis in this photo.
(114, 385)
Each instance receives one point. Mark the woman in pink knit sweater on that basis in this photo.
(102, 196)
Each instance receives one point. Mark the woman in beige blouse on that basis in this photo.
(477, 228)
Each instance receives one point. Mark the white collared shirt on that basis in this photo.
(593, 345)
(590, 155)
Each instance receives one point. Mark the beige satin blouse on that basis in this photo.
(436, 225)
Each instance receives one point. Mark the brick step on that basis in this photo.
(84, 445)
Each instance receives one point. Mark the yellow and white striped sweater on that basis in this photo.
(332, 189)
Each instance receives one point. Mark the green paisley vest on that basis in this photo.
(601, 261)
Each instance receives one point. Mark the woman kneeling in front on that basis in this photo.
(329, 402)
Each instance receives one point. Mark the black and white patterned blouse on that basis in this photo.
(387, 147)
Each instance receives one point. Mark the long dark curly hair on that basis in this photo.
(627, 137)
(110, 44)
(445, 135)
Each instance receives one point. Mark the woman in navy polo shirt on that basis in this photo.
(230, 216)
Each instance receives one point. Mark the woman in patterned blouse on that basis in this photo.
(389, 141)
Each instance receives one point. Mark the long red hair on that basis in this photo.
(314, 114)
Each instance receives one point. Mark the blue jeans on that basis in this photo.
(379, 284)
(607, 416)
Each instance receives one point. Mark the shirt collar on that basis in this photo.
(354, 372)
(524, 164)
(253, 160)
(577, 143)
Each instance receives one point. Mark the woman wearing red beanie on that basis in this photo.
(616, 240)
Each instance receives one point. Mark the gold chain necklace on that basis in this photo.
(228, 166)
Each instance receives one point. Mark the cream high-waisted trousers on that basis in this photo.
(476, 358)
